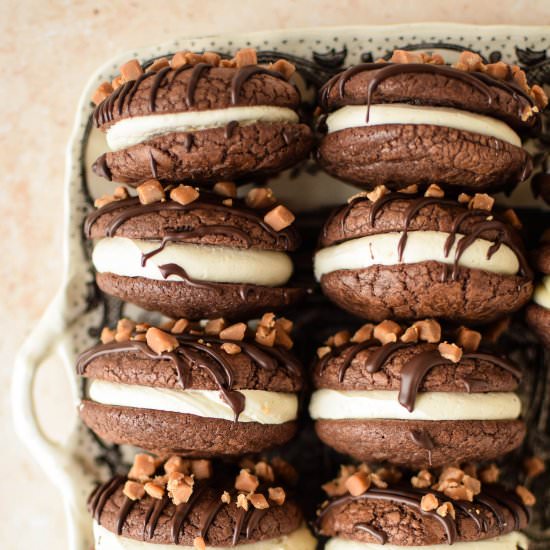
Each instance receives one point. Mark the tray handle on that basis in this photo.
(58, 464)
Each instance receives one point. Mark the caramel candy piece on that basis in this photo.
(264, 471)
(131, 70)
(489, 474)
(184, 194)
(226, 497)
(282, 323)
(179, 59)
(410, 335)
(283, 339)
(450, 351)
(117, 82)
(378, 192)
(228, 202)
(242, 502)
(234, 332)
(260, 198)
(429, 502)
(179, 488)
(387, 331)
(104, 90)
(279, 218)
(258, 501)
(472, 484)
(150, 191)
(534, 466)
(277, 495)
(410, 189)
(464, 198)
(527, 497)
(322, 351)
(154, 490)
(429, 330)
(434, 191)
(246, 481)
(284, 67)
(176, 464)
(158, 64)
(422, 480)
(215, 326)
(199, 543)
(342, 337)
(124, 329)
(211, 58)
(143, 468)
(498, 70)
(540, 97)
(160, 341)
(230, 348)
(246, 56)
(226, 189)
(469, 62)
(362, 334)
(133, 490)
(265, 336)
(404, 56)
(459, 492)
(481, 201)
(467, 339)
(202, 469)
(107, 335)
(358, 483)
(445, 509)
(180, 326)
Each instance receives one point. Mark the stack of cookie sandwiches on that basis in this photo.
(423, 262)
(425, 256)
(177, 237)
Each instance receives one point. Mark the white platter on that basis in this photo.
(72, 320)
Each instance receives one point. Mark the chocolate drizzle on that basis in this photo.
(415, 369)
(481, 82)
(424, 441)
(245, 524)
(202, 352)
(380, 536)
(493, 499)
(165, 77)
(477, 230)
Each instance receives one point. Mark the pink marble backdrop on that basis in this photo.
(47, 51)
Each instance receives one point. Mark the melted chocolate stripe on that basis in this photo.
(380, 536)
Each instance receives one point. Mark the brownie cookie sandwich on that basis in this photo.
(197, 505)
(195, 254)
(538, 312)
(416, 120)
(200, 118)
(382, 510)
(409, 396)
(394, 255)
(197, 390)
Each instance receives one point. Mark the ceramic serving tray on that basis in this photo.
(75, 316)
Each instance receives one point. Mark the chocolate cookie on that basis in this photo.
(195, 504)
(538, 312)
(392, 255)
(195, 255)
(415, 120)
(201, 119)
(211, 390)
(384, 508)
(407, 396)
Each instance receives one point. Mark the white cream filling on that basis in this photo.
(422, 246)
(301, 539)
(354, 116)
(541, 295)
(382, 404)
(264, 407)
(217, 264)
(134, 130)
(511, 541)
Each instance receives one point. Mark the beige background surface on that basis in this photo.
(47, 50)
